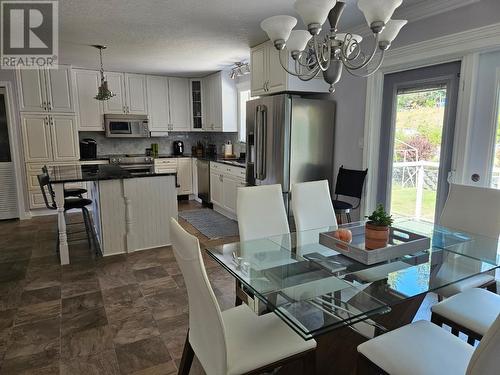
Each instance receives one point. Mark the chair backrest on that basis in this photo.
(261, 212)
(312, 205)
(45, 169)
(484, 360)
(206, 328)
(472, 209)
(46, 188)
(350, 182)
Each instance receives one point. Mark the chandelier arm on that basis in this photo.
(348, 65)
(296, 74)
(319, 54)
(314, 73)
(369, 73)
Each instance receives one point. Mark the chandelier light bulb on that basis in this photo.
(378, 10)
(314, 13)
(278, 29)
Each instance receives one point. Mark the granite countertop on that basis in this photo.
(95, 172)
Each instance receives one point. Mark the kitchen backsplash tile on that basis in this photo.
(113, 146)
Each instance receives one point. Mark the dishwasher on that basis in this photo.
(203, 169)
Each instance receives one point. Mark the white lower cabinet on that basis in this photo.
(184, 169)
(224, 183)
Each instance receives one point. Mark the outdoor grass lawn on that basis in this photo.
(403, 202)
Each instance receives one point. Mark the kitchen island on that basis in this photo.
(130, 210)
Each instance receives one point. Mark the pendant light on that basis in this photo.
(103, 93)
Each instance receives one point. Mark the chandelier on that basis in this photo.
(313, 53)
(103, 92)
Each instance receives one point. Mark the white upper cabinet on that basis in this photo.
(46, 90)
(179, 103)
(220, 103)
(117, 104)
(158, 104)
(136, 100)
(269, 77)
(131, 94)
(89, 109)
(258, 61)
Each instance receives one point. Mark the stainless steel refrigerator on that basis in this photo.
(289, 139)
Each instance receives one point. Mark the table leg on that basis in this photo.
(61, 224)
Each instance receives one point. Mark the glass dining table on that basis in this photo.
(315, 289)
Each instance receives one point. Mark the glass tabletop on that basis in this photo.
(315, 289)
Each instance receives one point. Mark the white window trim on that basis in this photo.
(493, 129)
(241, 86)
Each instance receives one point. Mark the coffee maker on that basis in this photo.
(88, 148)
(178, 148)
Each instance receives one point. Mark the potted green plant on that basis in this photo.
(377, 229)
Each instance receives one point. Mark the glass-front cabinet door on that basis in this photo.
(196, 105)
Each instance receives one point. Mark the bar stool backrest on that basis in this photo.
(46, 188)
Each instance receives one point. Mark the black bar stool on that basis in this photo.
(350, 184)
(68, 192)
(69, 204)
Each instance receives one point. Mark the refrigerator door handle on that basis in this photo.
(257, 143)
(263, 140)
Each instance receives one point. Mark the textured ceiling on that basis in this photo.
(180, 37)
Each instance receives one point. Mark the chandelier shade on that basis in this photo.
(391, 30)
(278, 28)
(378, 10)
(298, 40)
(314, 12)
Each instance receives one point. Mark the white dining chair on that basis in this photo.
(471, 312)
(422, 348)
(235, 341)
(261, 212)
(475, 210)
(312, 206)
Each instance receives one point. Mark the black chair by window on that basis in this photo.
(349, 184)
(68, 192)
(69, 204)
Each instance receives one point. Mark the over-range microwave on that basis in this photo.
(126, 126)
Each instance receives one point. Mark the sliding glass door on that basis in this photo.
(419, 108)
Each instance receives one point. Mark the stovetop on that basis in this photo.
(130, 159)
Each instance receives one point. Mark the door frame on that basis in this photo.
(446, 162)
(16, 149)
(463, 46)
(493, 130)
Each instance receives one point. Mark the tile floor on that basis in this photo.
(117, 315)
(124, 314)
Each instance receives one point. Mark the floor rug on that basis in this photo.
(211, 223)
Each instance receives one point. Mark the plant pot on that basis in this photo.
(376, 236)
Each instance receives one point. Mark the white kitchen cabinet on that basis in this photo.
(224, 183)
(158, 103)
(89, 109)
(197, 104)
(136, 98)
(46, 90)
(36, 137)
(64, 137)
(216, 188)
(258, 58)
(269, 77)
(185, 176)
(117, 104)
(220, 103)
(49, 137)
(130, 94)
(179, 103)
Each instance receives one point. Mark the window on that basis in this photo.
(243, 97)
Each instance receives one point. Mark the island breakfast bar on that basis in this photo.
(130, 211)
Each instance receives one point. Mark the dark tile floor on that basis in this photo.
(124, 314)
